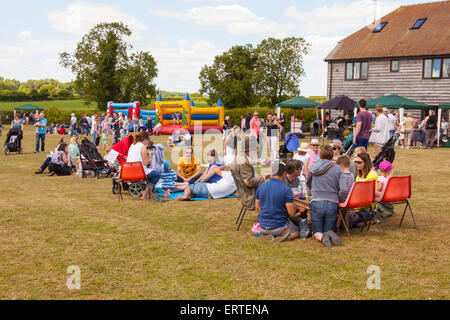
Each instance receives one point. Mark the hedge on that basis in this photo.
(236, 113)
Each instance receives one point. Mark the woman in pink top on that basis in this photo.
(254, 125)
(313, 152)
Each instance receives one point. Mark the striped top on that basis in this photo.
(168, 179)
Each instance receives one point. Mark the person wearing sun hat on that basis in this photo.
(314, 152)
(303, 156)
(337, 148)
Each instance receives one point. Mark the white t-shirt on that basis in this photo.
(222, 188)
(134, 155)
(125, 124)
(73, 120)
(94, 126)
(304, 159)
(392, 120)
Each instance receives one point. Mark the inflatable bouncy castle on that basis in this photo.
(191, 116)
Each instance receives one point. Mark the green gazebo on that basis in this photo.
(394, 101)
(28, 108)
(297, 103)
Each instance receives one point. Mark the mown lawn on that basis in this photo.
(72, 105)
(191, 250)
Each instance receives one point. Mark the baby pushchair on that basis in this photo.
(117, 157)
(387, 152)
(91, 160)
(13, 141)
(291, 144)
(348, 145)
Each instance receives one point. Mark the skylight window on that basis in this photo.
(380, 27)
(418, 23)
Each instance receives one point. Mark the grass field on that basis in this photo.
(72, 105)
(191, 250)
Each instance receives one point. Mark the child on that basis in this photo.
(386, 171)
(344, 162)
(168, 177)
(104, 139)
(73, 148)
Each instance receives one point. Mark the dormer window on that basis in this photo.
(380, 27)
(418, 23)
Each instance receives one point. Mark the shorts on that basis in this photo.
(278, 231)
(199, 190)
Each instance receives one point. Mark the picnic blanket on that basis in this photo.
(175, 194)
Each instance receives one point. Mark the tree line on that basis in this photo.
(45, 89)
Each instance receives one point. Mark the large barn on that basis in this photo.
(406, 52)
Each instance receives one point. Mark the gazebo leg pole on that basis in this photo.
(439, 126)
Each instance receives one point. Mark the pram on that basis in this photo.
(117, 157)
(387, 152)
(13, 141)
(91, 160)
(291, 144)
(348, 145)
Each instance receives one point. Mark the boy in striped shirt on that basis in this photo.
(168, 178)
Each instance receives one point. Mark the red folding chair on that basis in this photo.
(132, 172)
(361, 196)
(398, 191)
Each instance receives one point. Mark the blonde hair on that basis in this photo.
(73, 140)
(360, 150)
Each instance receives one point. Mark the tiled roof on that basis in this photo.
(396, 39)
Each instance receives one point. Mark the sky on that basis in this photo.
(182, 35)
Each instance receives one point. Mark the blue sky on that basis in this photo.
(182, 35)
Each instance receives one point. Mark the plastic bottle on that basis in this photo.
(300, 190)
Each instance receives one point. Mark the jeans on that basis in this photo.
(430, 137)
(72, 130)
(199, 190)
(363, 215)
(153, 178)
(60, 170)
(46, 163)
(278, 231)
(323, 215)
(41, 137)
(361, 143)
(283, 131)
(94, 136)
(391, 133)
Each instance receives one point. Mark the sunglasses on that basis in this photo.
(359, 162)
(336, 148)
(315, 145)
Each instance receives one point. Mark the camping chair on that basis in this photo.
(240, 184)
(398, 190)
(131, 172)
(361, 196)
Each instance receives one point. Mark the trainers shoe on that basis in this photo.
(326, 241)
(267, 237)
(284, 236)
(255, 228)
(334, 238)
(51, 173)
(39, 171)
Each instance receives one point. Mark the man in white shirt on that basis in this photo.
(392, 123)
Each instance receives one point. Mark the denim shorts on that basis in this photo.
(323, 215)
(199, 190)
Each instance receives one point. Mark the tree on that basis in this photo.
(136, 84)
(279, 69)
(230, 78)
(103, 69)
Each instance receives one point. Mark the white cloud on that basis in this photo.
(25, 34)
(179, 65)
(338, 17)
(79, 17)
(236, 19)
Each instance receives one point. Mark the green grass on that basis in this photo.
(191, 250)
(66, 105)
(72, 105)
